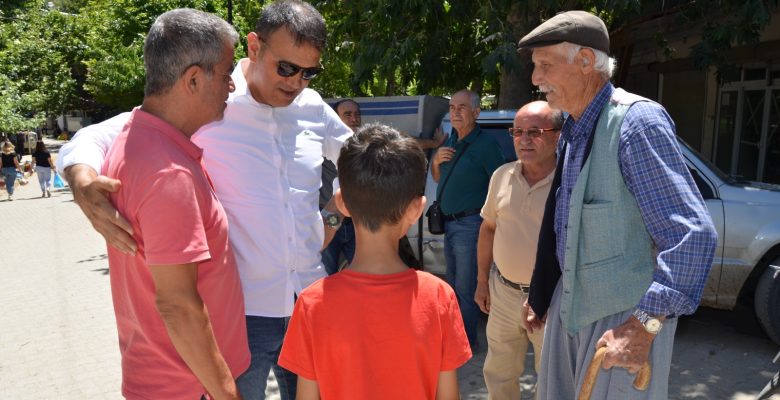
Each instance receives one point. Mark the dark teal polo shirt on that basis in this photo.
(467, 189)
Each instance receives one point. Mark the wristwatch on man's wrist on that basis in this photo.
(332, 220)
(652, 325)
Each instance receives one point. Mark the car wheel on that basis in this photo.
(768, 301)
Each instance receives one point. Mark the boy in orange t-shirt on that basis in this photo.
(377, 329)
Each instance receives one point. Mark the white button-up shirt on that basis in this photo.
(266, 165)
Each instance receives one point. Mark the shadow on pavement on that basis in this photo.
(94, 258)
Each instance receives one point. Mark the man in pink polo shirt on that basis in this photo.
(178, 300)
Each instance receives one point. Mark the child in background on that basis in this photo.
(377, 329)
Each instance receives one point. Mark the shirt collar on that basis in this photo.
(470, 138)
(518, 171)
(156, 126)
(577, 130)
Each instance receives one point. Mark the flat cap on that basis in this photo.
(578, 27)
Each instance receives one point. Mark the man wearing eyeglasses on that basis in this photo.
(462, 167)
(264, 159)
(506, 250)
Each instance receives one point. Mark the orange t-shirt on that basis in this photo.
(365, 336)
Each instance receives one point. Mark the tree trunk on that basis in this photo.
(477, 85)
(516, 88)
(390, 87)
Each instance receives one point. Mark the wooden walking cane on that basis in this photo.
(641, 382)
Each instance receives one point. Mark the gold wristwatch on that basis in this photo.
(652, 325)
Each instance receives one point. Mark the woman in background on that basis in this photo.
(9, 164)
(43, 166)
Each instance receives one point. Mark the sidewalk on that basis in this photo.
(59, 336)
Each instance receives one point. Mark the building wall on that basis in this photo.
(691, 95)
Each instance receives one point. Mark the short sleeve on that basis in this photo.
(171, 220)
(296, 354)
(489, 209)
(336, 133)
(455, 345)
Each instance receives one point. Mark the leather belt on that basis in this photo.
(513, 285)
(464, 214)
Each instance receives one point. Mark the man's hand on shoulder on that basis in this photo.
(439, 137)
(90, 192)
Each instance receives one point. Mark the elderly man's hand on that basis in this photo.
(482, 296)
(628, 346)
(90, 192)
(531, 321)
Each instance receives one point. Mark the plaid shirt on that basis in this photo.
(671, 206)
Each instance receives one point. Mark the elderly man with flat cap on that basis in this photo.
(626, 241)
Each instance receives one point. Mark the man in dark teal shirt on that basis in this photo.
(463, 167)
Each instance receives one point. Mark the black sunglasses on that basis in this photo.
(287, 69)
(532, 133)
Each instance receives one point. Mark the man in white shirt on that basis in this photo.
(264, 159)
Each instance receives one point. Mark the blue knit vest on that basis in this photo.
(609, 253)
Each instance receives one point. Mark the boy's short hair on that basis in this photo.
(380, 172)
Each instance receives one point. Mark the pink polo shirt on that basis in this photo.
(176, 217)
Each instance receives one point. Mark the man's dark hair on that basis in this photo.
(338, 104)
(380, 172)
(179, 39)
(301, 19)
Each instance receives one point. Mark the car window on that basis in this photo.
(500, 134)
(706, 162)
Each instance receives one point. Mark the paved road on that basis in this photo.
(58, 338)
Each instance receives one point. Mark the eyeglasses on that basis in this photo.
(287, 69)
(532, 133)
